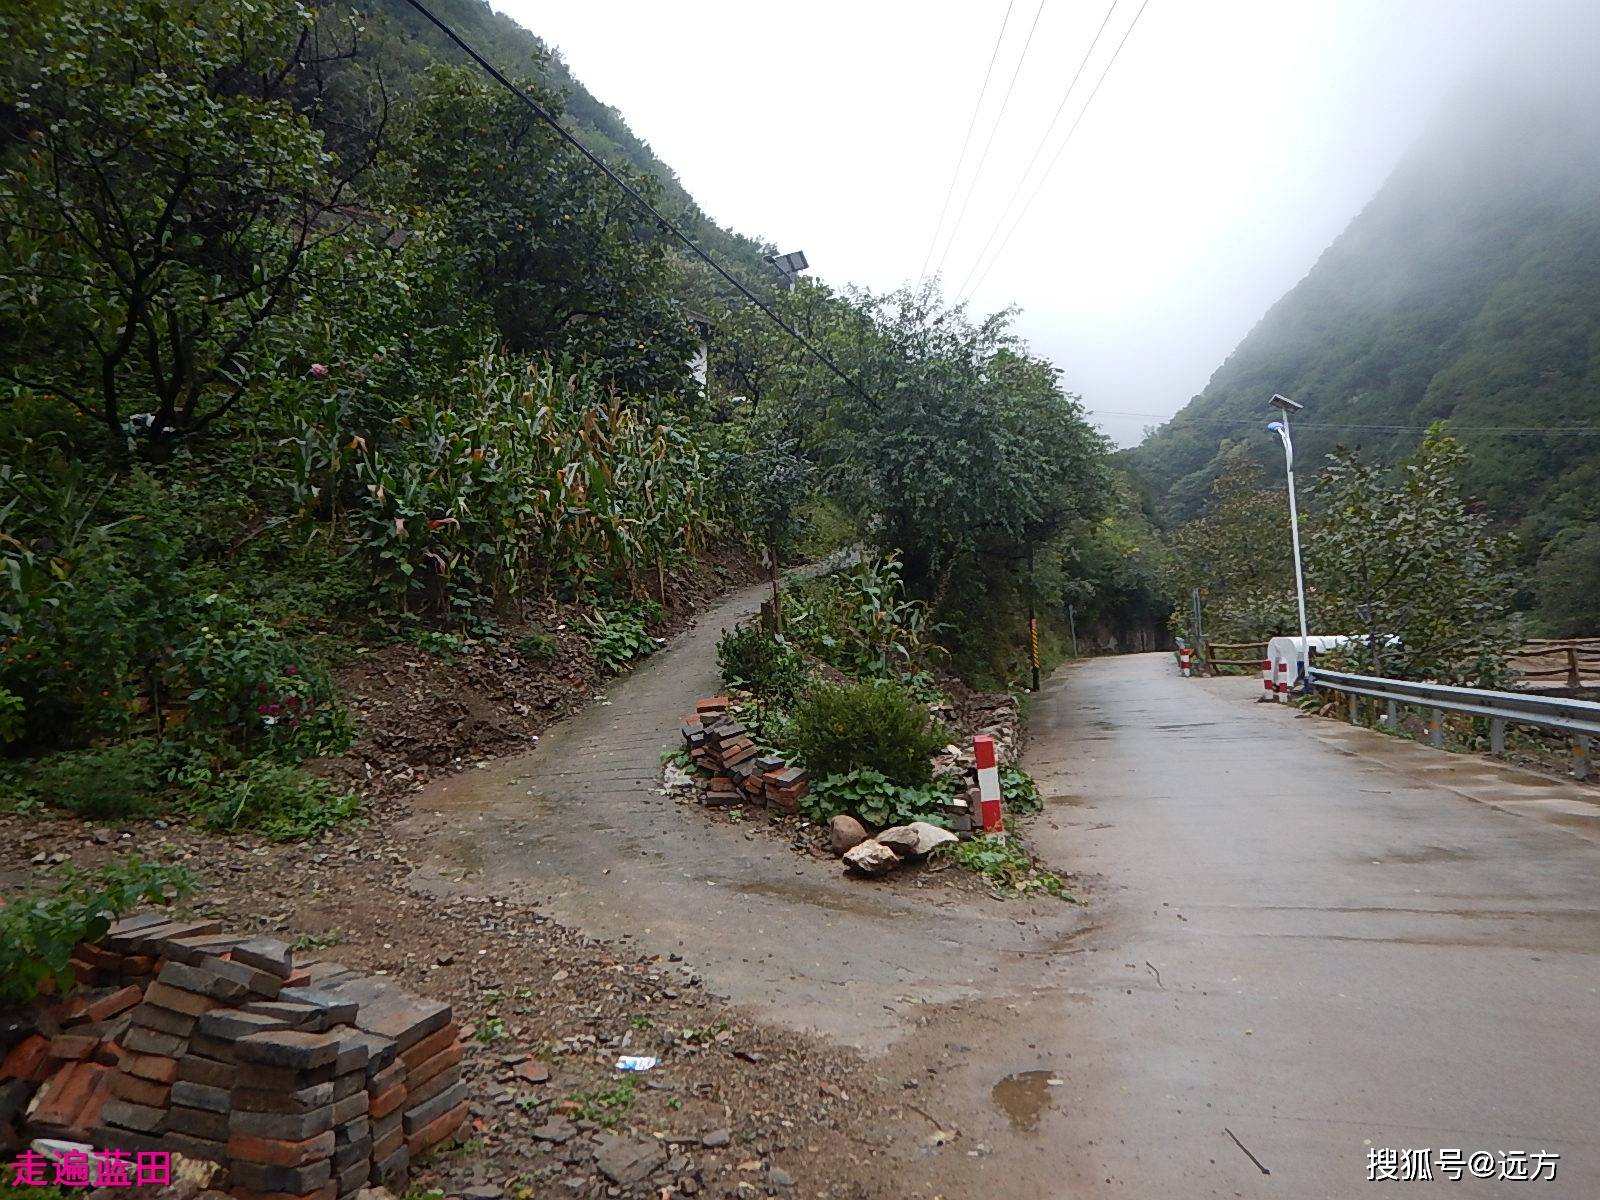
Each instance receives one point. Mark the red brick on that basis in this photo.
(386, 1145)
(27, 1059)
(385, 1103)
(419, 1094)
(139, 1091)
(99, 1095)
(97, 956)
(139, 964)
(299, 977)
(431, 1045)
(438, 1129)
(67, 1094)
(274, 1152)
(118, 1001)
(418, 1075)
(150, 1066)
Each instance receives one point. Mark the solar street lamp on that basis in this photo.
(1281, 427)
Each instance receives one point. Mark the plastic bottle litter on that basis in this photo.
(636, 1062)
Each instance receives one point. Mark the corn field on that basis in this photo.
(523, 479)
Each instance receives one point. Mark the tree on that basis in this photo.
(1413, 566)
(1568, 582)
(559, 254)
(1238, 555)
(162, 189)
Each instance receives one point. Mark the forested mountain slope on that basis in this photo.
(1468, 289)
(408, 44)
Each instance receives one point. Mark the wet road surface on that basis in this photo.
(1313, 937)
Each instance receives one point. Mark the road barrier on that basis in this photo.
(1565, 659)
(1185, 661)
(988, 783)
(1266, 677)
(1578, 719)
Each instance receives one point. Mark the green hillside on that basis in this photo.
(1469, 290)
(407, 44)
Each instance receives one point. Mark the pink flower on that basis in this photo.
(261, 710)
(292, 700)
(291, 670)
(319, 370)
(273, 710)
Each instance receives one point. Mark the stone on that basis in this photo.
(531, 1070)
(916, 840)
(845, 833)
(871, 858)
(779, 1177)
(556, 1130)
(484, 1191)
(626, 1161)
(717, 1138)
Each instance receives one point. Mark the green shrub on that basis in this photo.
(1018, 792)
(120, 780)
(12, 721)
(753, 658)
(620, 635)
(870, 797)
(1003, 860)
(37, 933)
(873, 725)
(536, 645)
(283, 803)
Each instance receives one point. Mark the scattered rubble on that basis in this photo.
(916, 840)
(871, 858)
(740, 774)
(845, 833)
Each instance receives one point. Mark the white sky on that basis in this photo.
(1230, 143)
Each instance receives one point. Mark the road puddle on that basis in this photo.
(1024, 1096)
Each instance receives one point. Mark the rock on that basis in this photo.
(716, 1138)
(870, 858)
(485, 1191)
(845, 833)
(556, 1130)
(916, 840)
(625, 1160)
(780, 1177)
(532, 1070)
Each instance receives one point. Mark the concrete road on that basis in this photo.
(1315, 938)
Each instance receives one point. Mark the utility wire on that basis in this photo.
(661, 221)
(1177, 421)
(949, 192)
(988, 145)
(1034, 195)
(1039, 149)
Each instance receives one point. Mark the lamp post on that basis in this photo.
(1281, 427)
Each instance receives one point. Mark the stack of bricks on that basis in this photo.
(306, 1080)
(740, 773)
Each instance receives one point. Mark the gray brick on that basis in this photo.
(381, 1051)
(341, 1008)
(419, 1116)
(353, 1152)
(302, 1100)
(197, 1068)
(200, 948)
(345, 1086)
(199, 1095)
(195, 1147)
(357, 1129)
(139, 1117)
(143, 1040)
(404, 1020)
(307, 1018)
(294, 1180)
(197, 1122)
(164, 1020)
(266, 954)
(230, 1024)
(352, 1175)
(391, 1171)
(350, 1108)
(288, 1127)
(287, 1048)
(202, 981)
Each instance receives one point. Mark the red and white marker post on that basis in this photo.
(1266, 677)
(1185, 661)
(988, 783)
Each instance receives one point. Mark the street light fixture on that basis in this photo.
(1286, 406)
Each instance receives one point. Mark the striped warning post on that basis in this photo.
(1266, 676)
(988, 783)
(1185, 659)
(1282, 685)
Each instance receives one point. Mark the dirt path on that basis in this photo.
(579, 825)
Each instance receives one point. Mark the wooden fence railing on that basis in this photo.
(1258, 651)
(1565, 659)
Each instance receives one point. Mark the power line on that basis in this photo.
(988, 145)
(955, 175)
(1039, 149)
(1178, 420)
(1034, 195)
(661, 221)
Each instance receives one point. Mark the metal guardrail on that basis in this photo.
(1579, 719)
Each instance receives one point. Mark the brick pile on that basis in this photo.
(307, 1080)
(740, 773)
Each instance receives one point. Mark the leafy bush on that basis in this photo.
(281, 802)
(537, 644)
(118, 780)
(1018, 792)
(870, 797)
(769, 725)
(1002, 859)
(753, 658)
(873, 725)
(860, 621)
(38, 933)
(619, 635)
(12, 721)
